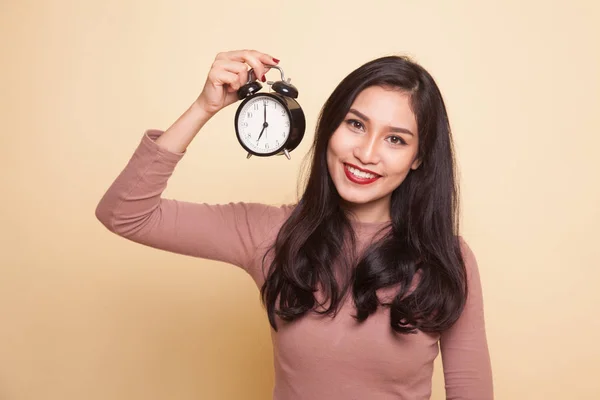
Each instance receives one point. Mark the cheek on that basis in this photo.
(398, 166)
(340, 144)
(334, 147)
(333, 143)
(331, 158)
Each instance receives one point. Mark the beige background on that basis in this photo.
(87, 315)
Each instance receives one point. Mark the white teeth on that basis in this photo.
(360, 174)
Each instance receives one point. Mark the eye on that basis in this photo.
(355, 124)
(396, 140)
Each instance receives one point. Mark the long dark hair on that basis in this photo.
(423, 239)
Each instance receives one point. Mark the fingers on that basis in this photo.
(238, 68)
(222, 77)
(258, 61)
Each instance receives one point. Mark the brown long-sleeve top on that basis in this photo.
(315, 357)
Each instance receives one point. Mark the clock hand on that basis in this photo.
(265, 123)
(261, 132)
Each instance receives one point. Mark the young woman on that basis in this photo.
(366, 275)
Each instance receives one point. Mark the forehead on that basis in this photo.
(386, 106)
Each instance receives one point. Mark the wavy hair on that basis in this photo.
(423, 239)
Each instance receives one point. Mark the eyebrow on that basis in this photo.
(392, 128)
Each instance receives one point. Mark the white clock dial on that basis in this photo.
(263, 124)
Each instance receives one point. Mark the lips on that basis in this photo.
(366, 178)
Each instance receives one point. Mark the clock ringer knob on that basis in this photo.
(248, 89)
(285, 89)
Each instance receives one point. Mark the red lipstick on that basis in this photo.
(359, 180)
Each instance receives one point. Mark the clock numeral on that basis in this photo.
(283, 113)
(277, 143)
(287, 124)
(267, 146)
(256, 106)
(245, 124)
(249, 114)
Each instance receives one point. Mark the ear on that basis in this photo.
(416, 164)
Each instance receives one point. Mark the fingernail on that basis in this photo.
(263, 79)
(276, 60)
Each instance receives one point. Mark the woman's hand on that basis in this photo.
(228, 73)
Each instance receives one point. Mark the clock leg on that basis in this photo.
(248, 156)
(287, 154)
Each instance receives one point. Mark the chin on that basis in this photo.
(351, 197)
(357, 195)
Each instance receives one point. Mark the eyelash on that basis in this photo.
(400, 140)
(352, 124)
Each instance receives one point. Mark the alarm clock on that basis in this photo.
(269, 123)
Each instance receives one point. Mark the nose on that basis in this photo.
(366, 150)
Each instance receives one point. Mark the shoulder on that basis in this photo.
(467, 254)
(260, 224)
(262, 221)
(474, 285)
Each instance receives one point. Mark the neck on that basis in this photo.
(370, 213)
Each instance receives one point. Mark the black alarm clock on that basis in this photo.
(269, 123)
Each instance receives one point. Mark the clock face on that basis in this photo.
(263, 124)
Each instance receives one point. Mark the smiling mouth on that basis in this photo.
(357, 175)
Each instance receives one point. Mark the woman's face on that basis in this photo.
(372, 151)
